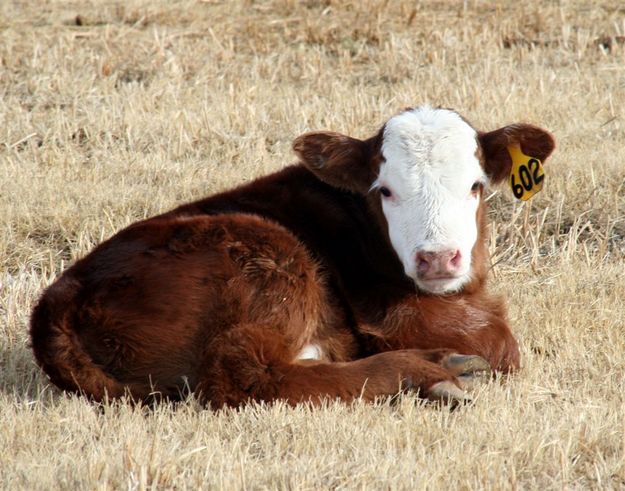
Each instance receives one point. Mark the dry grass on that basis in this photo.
(113, 111)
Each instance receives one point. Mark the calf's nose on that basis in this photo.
(438, 264)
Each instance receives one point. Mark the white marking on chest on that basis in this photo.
(310, 352)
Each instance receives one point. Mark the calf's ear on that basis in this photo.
(338, 160)
(534, 142)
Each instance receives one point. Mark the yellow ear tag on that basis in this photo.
(527, 174)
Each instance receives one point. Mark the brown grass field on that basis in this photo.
(113, 111)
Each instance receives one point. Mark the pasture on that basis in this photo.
(114, 111)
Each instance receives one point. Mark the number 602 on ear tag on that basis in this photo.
(526, 175)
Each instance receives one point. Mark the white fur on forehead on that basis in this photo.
(431, 141)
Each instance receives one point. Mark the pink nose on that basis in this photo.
(438, 264)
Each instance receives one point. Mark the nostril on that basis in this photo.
(455, 260)
(423, 264)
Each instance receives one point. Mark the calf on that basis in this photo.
(359, 272)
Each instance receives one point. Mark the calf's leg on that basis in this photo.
(254, 363)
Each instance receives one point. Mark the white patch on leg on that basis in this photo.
(310, 352)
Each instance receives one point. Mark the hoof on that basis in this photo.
(449, 393)
(471, 382)
(466, 364)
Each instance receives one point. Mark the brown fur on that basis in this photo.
(219, 296)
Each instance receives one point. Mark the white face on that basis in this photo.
(429, 185)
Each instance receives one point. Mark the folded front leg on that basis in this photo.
(474, 324)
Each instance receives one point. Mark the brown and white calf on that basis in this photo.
(359, 272)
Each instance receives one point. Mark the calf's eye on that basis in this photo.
(386, 192)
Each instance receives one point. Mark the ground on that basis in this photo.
(115, 111)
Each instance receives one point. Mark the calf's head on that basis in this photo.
(424, 173)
